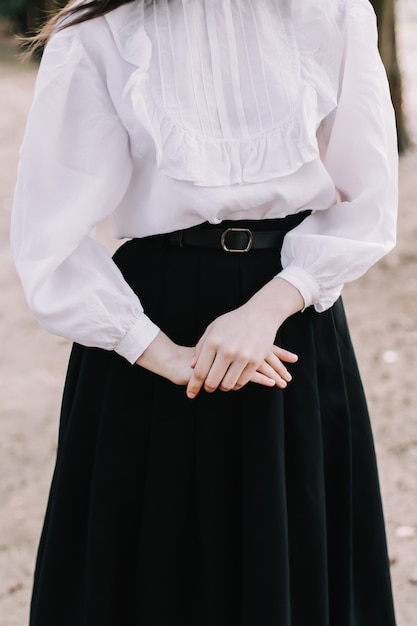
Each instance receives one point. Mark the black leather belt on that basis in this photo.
(227, 239)
(229, 236)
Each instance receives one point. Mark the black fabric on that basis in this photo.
(252, 508)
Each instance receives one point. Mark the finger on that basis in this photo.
(271, 367)
(273, 361)
(237, 370)
(284, 355)
(200, 371)
(259, 379)
(197, 350)
(266, 370)
(271, 372)
(248, 373)
(224, 373)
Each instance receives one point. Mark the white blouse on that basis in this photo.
(168, 114)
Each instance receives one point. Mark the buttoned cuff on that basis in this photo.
(309, 288)
(304, 282)
(137, 339)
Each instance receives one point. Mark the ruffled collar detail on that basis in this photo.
(230, 95)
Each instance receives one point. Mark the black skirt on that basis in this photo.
(259, 507)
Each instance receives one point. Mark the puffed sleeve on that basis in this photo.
(74, 170)
(359, 151)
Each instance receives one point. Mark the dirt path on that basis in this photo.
(382, 308)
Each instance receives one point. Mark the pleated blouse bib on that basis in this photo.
(168, 114)
(224, 93)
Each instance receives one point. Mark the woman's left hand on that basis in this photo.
(238, 346)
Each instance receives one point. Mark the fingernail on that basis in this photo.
(191, 394)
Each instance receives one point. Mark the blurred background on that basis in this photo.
(381, 307)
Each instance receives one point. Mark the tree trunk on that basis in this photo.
(385, 11)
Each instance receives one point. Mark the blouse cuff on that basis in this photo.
(304, 282)
(141, 334)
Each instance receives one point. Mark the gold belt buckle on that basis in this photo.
(236, 230)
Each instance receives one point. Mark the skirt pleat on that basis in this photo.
(252, 508)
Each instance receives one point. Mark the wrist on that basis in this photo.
(168, 359)
(278, 299)
(159, 356)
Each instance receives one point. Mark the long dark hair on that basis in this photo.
(69, 15)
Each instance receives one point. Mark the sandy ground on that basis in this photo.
(382, 308)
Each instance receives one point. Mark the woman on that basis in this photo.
(248, 152)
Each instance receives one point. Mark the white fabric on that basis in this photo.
(169, 114)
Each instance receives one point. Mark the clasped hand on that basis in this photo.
(236, 348)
